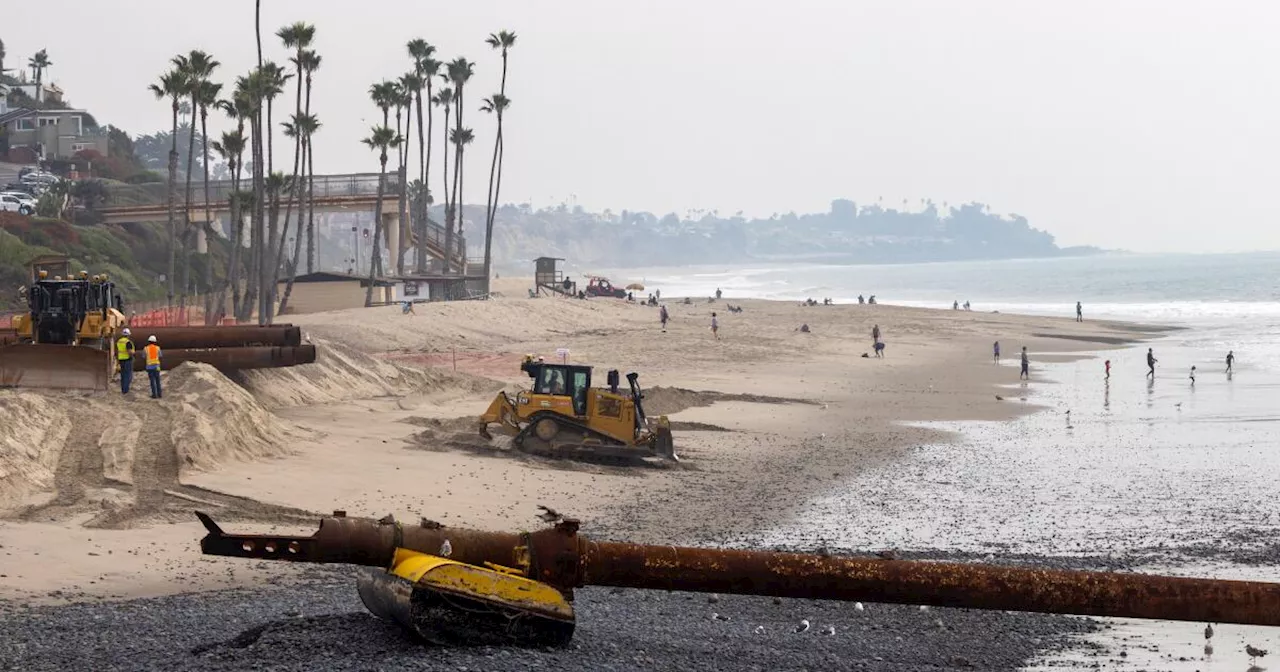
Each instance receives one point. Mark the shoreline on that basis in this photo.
(803, 410)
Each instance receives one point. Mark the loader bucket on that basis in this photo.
(449, 603)
(68, 367)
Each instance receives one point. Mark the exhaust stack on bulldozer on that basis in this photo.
(563, 416)
(457, 586)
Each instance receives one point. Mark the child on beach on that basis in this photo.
(996, 350)
(1026, 366)
(715, 326)
(1108, 364)
(1193, 374)
(664, 316)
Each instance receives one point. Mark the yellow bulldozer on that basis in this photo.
(563, 416)
(64, 338)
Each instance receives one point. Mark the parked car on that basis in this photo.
(21, 196)
(12, 204)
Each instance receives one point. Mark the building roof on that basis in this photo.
(15, 113)
(329, 276)
(20, 112)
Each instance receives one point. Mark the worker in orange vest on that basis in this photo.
(153, 365)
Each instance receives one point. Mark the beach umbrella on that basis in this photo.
(635, 286)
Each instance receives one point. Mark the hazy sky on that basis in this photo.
(1149, 125)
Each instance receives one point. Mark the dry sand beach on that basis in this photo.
(98, 491)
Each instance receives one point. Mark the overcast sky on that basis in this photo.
(1151, 126)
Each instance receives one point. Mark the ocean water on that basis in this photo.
(1136, 469)
(1229, 301)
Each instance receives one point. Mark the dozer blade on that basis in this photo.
(454, 604)
(70, 367)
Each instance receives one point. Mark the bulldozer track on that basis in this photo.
(528, 441)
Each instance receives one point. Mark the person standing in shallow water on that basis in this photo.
(1079, 312)
(1026, 365)
(1231, 358)
(1151, 364)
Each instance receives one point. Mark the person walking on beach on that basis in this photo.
(1151, 364)
(875, 334)
(1193, 375)
(715, 326)
(1079, 312)
(1026, 365)
(1231, 358)
(1108, 365)
(995, 350)
(664, 316)
(153, 365)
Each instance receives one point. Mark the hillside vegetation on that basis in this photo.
(134, 255)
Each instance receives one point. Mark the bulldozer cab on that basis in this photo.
(564, 380)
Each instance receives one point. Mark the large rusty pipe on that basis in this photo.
(231, 359)
(219, 337)
(566, 560)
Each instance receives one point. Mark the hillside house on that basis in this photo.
(48, 134)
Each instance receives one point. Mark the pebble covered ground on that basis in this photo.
(321, 625)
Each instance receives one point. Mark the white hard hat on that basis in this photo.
(126, 332)
(151, 338)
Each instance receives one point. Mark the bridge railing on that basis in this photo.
(328, 187)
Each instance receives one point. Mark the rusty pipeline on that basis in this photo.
(232, 359)
(221, 337)
(560, 557)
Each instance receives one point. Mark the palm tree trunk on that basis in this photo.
(405, 223)
(311, 196)
(297, 241)
(173, 199)
(208, 218)
(448, 207)
(420, 217)
(186, 225)
(261, 291)
(375, 264)
(233, 260)
(293, 192)
(488, 209)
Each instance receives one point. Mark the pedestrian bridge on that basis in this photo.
(333, 194)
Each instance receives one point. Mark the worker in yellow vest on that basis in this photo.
(153, 365)
(124, 359)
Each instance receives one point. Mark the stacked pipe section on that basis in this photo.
(226, 348)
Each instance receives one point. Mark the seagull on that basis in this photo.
(803, 626)
(831, 630)
(549, 515)
(1208, 631)
(446, 549)
(857, 606)
(717, 617)
(1254, 653)
(999, 398)
(759, 629)
(308, 337)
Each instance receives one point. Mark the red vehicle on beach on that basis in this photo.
(600, 286)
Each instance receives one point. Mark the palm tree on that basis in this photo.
(460, 71)
(496, 105)
(38, 64)
(425, 67)
(231, 149)
(444, 98)
(303, 127)
(380, 140)
(206, 97)
(172, 86)
(275, 80)
(310, 63)
(297, 36)
(410, 90)
(196, 68)
(384, 95)
(503, 40)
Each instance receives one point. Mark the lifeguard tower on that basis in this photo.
(548, 278)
